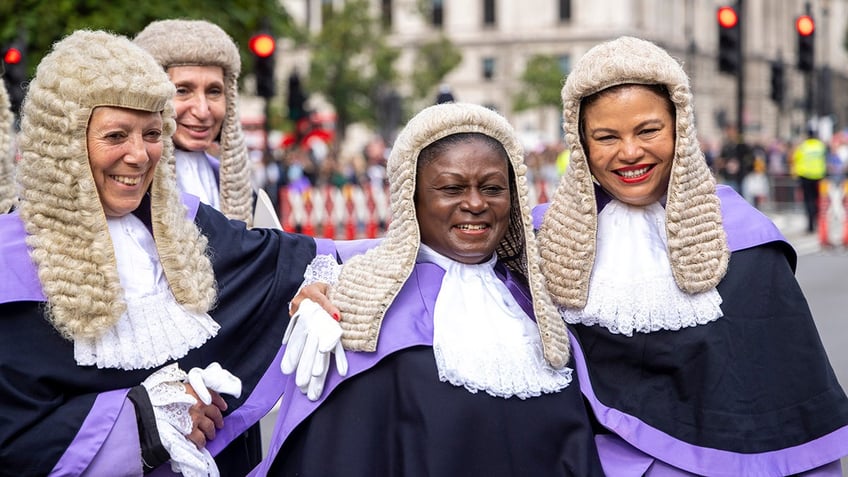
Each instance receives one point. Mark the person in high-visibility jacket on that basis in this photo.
(809, 163)
(562, 160)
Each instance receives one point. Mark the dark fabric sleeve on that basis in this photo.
(153, 453)
(45, 398)
(258, 271)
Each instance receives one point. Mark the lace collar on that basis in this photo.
(632, 288)
(155, 328)
(483, 340)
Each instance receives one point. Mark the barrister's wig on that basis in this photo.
(200, 43)
(697, 246)
(369, 283)
(8, 197)
(60, 207)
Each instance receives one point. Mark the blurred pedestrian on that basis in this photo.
(809, 164)
(445, 94)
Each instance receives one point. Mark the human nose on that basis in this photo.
(474, 201)
(136, 150)
(200, 106)
(631, 149)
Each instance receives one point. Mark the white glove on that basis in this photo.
(216, 378)
(170, 407)
(311, 336)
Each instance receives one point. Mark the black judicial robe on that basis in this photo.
(59, 417)
(750, 394)
(391, 415)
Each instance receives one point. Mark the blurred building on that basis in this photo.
(497, 37)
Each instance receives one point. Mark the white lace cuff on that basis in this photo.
(323, 268)
(170, 407)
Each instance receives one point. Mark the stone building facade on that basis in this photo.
(497, 37)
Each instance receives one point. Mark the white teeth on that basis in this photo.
(633, 173)
(471, 227)
(130, 181)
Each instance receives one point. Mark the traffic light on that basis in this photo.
(14, 76)
(806, 28)
(778, 84)
(729, 41)
(262, 46)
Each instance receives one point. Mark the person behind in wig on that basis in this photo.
(700, 353)
(204, 64)
(8, 196)
(140, 327)
(459, 364)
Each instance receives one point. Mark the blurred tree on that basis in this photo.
(434, 60)
(353, 66)
(351, 63)
(43, 22)
(542, 84)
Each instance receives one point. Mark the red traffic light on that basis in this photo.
(13, 56)
(262, 45)
(805, 25)
(727, 17)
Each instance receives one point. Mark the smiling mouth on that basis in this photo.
(634, 173)
(470, 227)
(126, 180)
(198, 129)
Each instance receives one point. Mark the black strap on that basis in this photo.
(153, 453)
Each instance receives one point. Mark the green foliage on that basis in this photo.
(351, 62)
(434, 60)
(542, 82)
(43, 22)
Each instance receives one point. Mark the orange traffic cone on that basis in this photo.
(286, 209)
(350, 220)
(543, 195)
(371, 225)
(308, 228)
(845, 213)
(329, 227)
(824, 204)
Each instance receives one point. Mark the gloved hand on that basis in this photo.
(311, 336)
(216, 378)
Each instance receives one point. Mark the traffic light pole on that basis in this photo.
(266, 132)
(740, 82)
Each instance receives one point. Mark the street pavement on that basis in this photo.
(793, 225)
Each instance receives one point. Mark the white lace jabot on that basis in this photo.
(154, 328)
(483, 339)
(632, 288)
(196, 176)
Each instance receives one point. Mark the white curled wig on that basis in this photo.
(369, 283)
(697, 246)
(8, 196)
(201, 43)
(66, 227)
